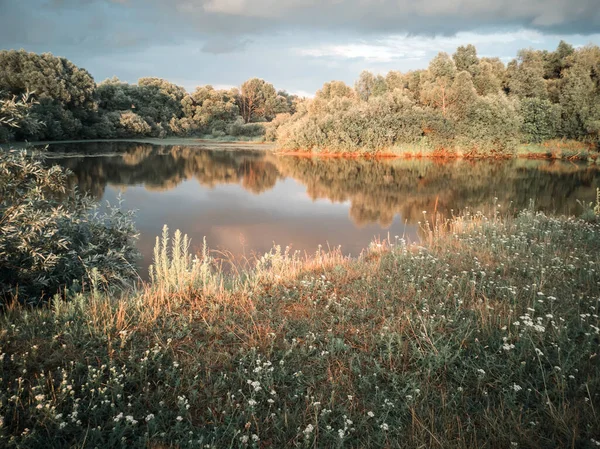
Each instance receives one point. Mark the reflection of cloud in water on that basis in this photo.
(246, 200)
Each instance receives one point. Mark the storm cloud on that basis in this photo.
(290, 41)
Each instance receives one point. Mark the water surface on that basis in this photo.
(245, 201)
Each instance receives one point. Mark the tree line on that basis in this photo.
(460, 101)
(68, 104)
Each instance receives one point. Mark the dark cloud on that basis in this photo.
(126, 23)
(398, 16)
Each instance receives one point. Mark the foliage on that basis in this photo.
(541, 119)
(14, 113)
(550, 94)
(51, 238)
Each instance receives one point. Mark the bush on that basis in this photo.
(540, 119)
(239, 128)
(51, 238)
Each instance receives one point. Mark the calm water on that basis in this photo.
(246, 201)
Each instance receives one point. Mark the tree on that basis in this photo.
(64, 92)
(436, 90)
(486, 81)
(465, 58)
(335, 89)
(207, 105)
(369, 85)
(555, 62)
(578, 100)
(526, 75)
(541, 119)
(442, 66)
(463, 95)
(395, 80)
(258, 100)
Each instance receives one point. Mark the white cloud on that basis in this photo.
(403, 47)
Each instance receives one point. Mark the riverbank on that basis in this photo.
(213, 143)
(555, 149)
(485, 334)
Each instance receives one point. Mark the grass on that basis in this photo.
(486, 334)
(552, 149)
(559, 149)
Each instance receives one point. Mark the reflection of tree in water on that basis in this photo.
(163, 168)
(378, 190)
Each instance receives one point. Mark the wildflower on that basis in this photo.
(384, 427)
(150, 417)
(309, 429)
(251, 402)
(179, 418)
(255, 437)
(370, 414)
(244, 439)
(517, 387)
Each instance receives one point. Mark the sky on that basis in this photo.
(295, 44)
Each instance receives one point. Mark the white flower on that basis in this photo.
(251, 402)
(517, 387)
(244, 439)
(370, 414)
(385, 427)
(179, 418)
(150, 417)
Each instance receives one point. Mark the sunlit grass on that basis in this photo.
(484, 335)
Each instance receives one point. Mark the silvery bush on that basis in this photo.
(52, 237)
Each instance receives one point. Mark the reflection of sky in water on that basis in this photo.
(212, 193)
(235, 220)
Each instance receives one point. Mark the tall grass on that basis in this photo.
(484, 335)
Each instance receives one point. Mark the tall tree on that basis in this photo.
(526, 75)
(465, 58)
(258, 100)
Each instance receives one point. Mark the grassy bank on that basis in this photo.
(552, 149)
(486, 335)
(206, 141)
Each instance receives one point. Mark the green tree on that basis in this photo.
(578, 100)
(335, 89)
(258, 100)
(541, 119)
(369, 85)
(486, 80)
(206, 105)
(526, 75)
(465, 58)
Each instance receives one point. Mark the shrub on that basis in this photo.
(540, 119)
(51, 238)
(239, 128)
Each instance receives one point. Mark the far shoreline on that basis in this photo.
(551, 150)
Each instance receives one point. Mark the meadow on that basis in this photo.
(483, 334)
